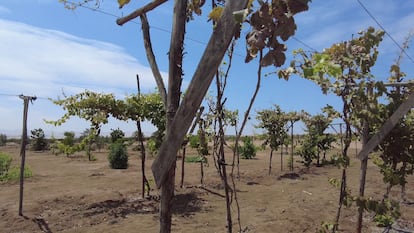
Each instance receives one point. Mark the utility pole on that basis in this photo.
(26, 100)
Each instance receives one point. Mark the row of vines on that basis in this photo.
(343, 70)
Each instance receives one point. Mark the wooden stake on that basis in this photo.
(26, 100)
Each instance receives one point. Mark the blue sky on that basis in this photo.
(46, 49)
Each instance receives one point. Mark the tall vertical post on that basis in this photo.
(26, 100)
(291, 148)
(364, 166)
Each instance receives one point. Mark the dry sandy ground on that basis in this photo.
(75, 195)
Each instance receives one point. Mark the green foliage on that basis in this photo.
(3, 139)
(14, 174)
(396, 157)
(195, 159)
(11, 174)
(5, 161)
(327, 227)
(117, 135)
(97, 108)
(67, 144)
(69, 138)
(383, 220)
(194, 141)
(152, 146)
(308, 150)
(38, 140)
(118, 156)
(315, 141)
(386, 211)
(248, 150)
(274, 122)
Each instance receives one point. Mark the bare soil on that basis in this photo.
(75, 195)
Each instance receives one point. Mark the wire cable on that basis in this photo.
(386, 32)
(304, 44)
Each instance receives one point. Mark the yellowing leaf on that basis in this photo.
(123, 3)
(215, 14)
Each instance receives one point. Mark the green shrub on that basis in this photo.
(118, 157)
(117, 135)
(194, 141)
(195, 159)
(14, 174)
(248, 150)
(69, 138)
(383, 220)
(5, 161)
(152, 146)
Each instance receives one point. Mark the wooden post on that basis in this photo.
(291, 149)
(364, 166)
(26, 100)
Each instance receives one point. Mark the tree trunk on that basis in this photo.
(210, 61)
(270, 161)
(167, 195)
(173, 101)
(281, 157)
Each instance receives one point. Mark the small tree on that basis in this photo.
(67, 144)
(69, 138)
(316, 140)
(38, 142)
(274, 122)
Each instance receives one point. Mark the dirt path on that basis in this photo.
(74, 195)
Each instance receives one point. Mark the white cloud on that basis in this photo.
(44, 62)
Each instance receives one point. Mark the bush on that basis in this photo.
(196, 159)
(118, 157)
(5, 161)
(3, 139)
(152, 146)
(194, 141)
(14, 174)
(11, 174)
(248, 150)
(69, 138)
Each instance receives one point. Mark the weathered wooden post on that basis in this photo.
(26, 100)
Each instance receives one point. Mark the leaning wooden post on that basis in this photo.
(26, 100)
